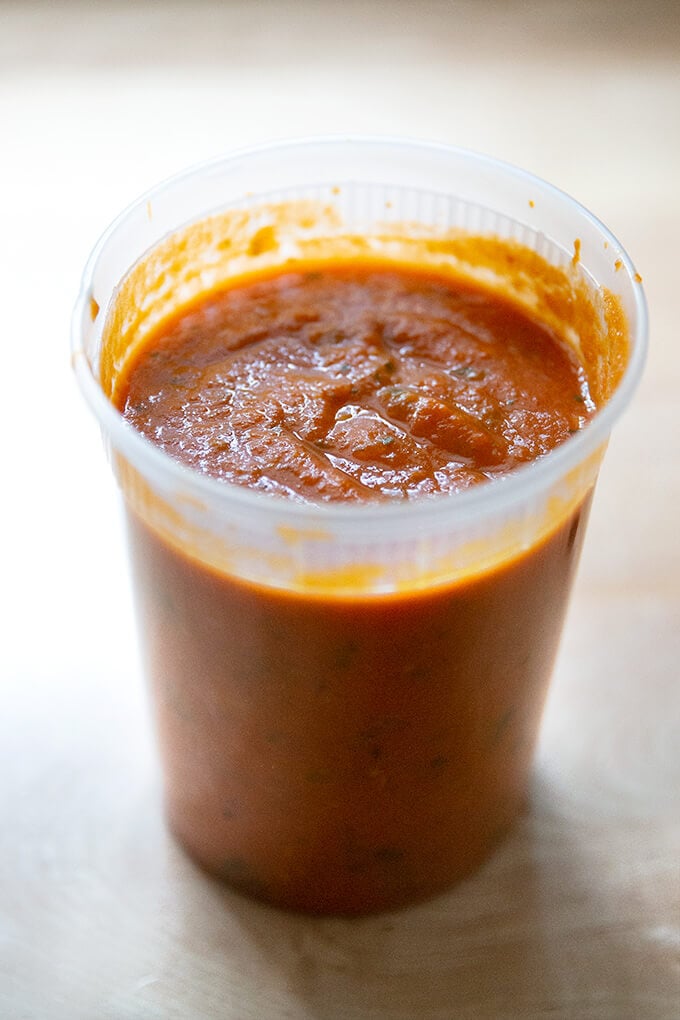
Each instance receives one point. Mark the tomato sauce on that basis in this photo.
(335, 752)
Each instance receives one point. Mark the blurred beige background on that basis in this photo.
(101, 916)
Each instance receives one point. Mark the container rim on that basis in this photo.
(496, 495)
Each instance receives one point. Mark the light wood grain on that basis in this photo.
(101, 915)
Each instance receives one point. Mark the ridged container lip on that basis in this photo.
(495, 497)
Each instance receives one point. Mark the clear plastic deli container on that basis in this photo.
(348, 696)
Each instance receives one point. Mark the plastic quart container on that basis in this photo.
(347, 697)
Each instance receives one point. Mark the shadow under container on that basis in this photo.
(347, 697)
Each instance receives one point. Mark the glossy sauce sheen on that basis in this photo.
(358, 382)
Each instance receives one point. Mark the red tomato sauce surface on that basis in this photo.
(354, 383)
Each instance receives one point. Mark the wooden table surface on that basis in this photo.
(101, 916)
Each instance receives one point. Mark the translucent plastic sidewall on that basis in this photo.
(350, 550)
